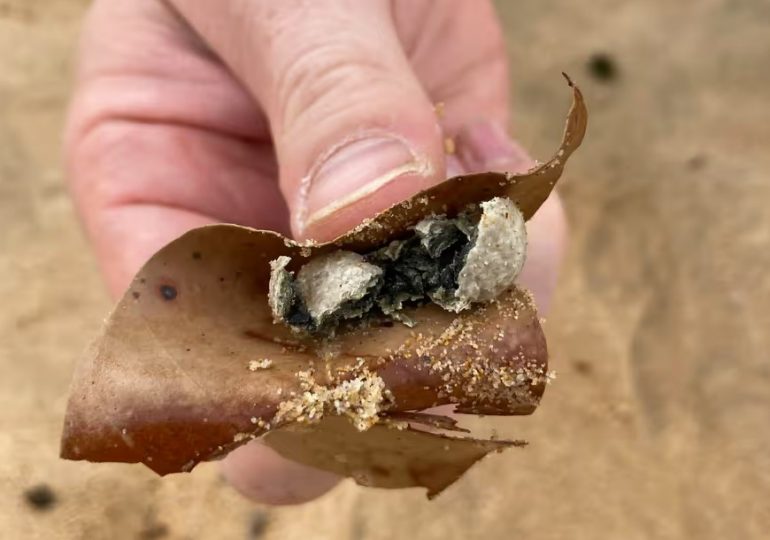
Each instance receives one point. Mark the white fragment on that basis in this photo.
(497, 256)
(279, 294)
(360, 399)
(328, 281)
(256, 365)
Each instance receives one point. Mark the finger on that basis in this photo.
(159, 139)
(153, 151)
(547, 243)
(353, 128)
(457, 50)
(260, 474)
(138, 186)
(485, 146)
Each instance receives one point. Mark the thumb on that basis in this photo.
(354, 131)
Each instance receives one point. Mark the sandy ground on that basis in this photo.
(657, 426)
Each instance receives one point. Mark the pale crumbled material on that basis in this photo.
(483, 377)
(280, 293)
(449, 146)
(242, 436)
(490, 255)
(360, 398)
(497, 256)
(256, 365)
(330, 281)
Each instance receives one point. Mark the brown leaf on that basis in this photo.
(528, 190)
(422, 420)
(168, 384)
(382, 456)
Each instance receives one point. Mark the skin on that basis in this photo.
(301, 117)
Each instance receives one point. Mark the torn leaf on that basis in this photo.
(166, 383)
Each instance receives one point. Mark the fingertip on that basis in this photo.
(360, 177)
(346, 214)
(260, 474)
(547, 236)
(485, 146)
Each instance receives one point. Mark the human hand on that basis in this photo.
(300, 117)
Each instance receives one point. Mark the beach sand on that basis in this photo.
(657, 423)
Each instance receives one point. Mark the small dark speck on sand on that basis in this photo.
(697, 162)
(168, 292)
(602, 67)
(135, 294)
(153, 531)
(583, 367)
(40, 497)
(258, 523)
(197, 255)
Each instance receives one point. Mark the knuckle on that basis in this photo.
(91, 155)
(319, 81)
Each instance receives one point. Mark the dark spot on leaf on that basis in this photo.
(168, 292)
(188, 349)
(258, 523)
(602, 67)
(197, 255)
(583, 367)
(40, 497)
(135, 294)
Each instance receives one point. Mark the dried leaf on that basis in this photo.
(382, 456)
(423, 420)
(168, 384)
(528, 190)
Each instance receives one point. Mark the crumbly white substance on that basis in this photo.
(360, 399)
(279, 295)
(431, 226)
(496, 257)
(256, 365)
(328, 281)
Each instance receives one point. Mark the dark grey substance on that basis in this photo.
(415, 270)
(453, 262)
(425, 266)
